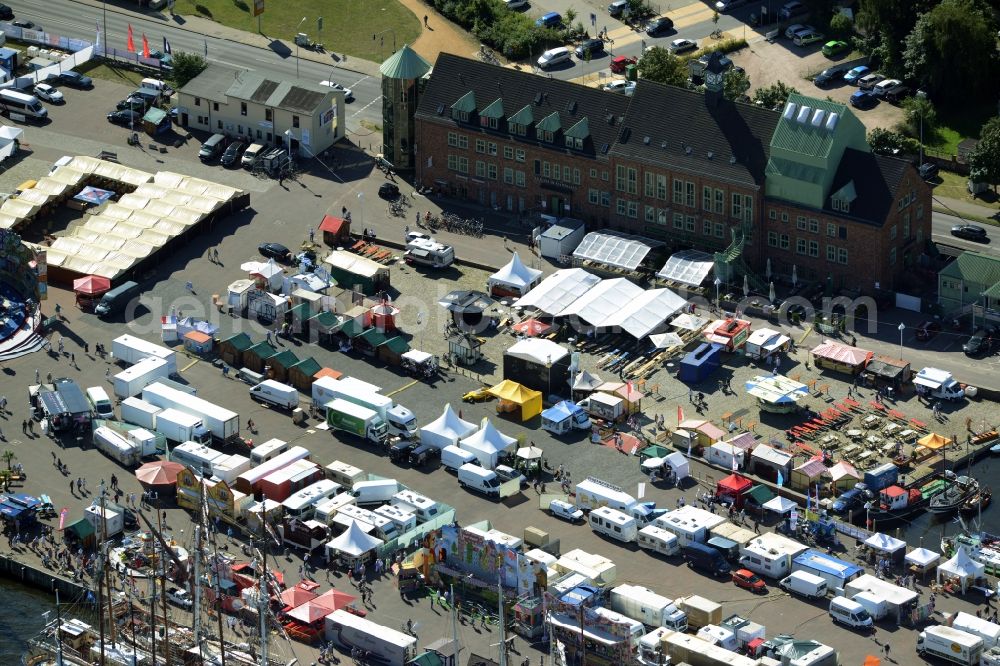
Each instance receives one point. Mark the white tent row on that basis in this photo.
(447, 430)
(487, 444)
(603, 302)
(559, 290)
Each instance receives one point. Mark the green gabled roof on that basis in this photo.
(240, 342)
(352, 328)
(397, 345)
(466, 103)
(579, 131)
(302, 311)
(372, 336)
(993, 292)
(974, 267)
(404, 64)
(308, 366)
(326, 320)
(262, 350)
(804, 138)
(494, 110)
(285, 359)
(550, 123)
(522, 117)
(761, 493)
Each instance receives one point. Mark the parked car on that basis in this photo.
(927, 329)
(47, 93)
(515, 4)
(868, 81)
(884, 86)
(478, 395)
(126, 118)
(728, 5)
(929, 171)
(980, 344)
(972, 232)
(795, 29)
(553, 57)
(853, 75)
(621, 86)
(617, 8)
(619, 63)
(133, 103)
(828, 77)
(388, 190)
(233, 154)
(683, 45)
(507, 473)
(862, 99)
(6, 13)
(27, 25)
(808, 37)
(73, 79)
(549, 20)
(566, 511)
(791, 9)
(658, 25)
(348, 93)
(590, 47)
(179, 597)
(748, 580)
(834, 48)
(274, 251)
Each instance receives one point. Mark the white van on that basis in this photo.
(276, 393)
(453, 457)
(566, 511)
(252, 154)
(850, 613)
(479, 479)
(555, 56)
(613, 523)
(98, 397)
(375, 492)
(658, 540)
(156, 84)
(804, 584)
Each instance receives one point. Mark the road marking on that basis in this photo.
(402, 388)
(193, 363)
(366, 106)
(363, 78)
(805, 334)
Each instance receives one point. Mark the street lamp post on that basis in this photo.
(296, 39)
(901, 328)
(718, 301)
(289, 135)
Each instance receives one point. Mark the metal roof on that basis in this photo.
(808, 125)
(404, 64)
(974, 267)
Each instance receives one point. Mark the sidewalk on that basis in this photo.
(966, 209)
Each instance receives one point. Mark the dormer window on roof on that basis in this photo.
(547, 127)
(842, 199)
(491, 115)
(518, 123)
(464, 107)
(577, 134)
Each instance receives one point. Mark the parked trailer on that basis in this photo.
(116, 447)
(249, 481)
(644, 605)
(178, 426)
(130, 381)
(139, 412)
(384, 644)
(130, 350)
(222, 423)
(357, 420)
(399, 419)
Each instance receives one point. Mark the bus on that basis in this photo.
(12, 101)
(302, 504)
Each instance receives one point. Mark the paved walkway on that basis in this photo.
(965, 209)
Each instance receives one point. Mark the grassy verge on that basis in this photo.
(348, 25)
(954, 125)
(104, 72)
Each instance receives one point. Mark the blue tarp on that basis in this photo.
(94, 195)
(561, 411)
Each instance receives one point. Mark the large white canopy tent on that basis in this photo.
(487, 444)
(689, 267)
(447, 429)
(353, 543)
(559, 290)
(643, 314)
(963, 567)
(515, 276)
(602, 302)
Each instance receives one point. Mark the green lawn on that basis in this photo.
(95, 70)
(957, 124)
(348, 25)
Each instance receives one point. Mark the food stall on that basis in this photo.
(89, 289)
(419, 363)
(777, 394)
(730, 333)
(831, 355)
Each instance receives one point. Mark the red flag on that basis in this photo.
(145, 46)
(130, 45)
(62, 517)
(680, 414)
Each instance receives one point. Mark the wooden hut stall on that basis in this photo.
(369, 340)
(301, 375)
(806, 476)
(232, 348)
(280, 363)
(324, 327)
(849, 360)
(886, 371)
(391, 351)
(336, 231)
(197, 342)
(255, 358)
(298, 318)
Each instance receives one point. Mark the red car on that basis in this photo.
(619, 63)
(748, 580)
(927, 330)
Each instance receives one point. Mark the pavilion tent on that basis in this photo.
(688, 322)
(616, 250)
(779, 504)
(308, 612)
(679, 463)
(513, 279)
(530, 401)
(922, 558)
(558, 418)
(335, 600)
(689, 267)
(295, 596)
(666, 340)
(963, 567)
(586, 382)
(643, 314)
(889, 546)
(556, 292)
(601, 304)
(488, 444)
(734, 487)
(933, 441)
(447, 429)
(353, 543)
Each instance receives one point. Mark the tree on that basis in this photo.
(886, 24)
(186, 67)
(985, 158)
(887, 142)
(662, 66)
(841, 26)
(773, 96)
(916, 109)
(951, 52)
(8, 456)
(735, 84)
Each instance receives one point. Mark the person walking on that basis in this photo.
(38, 376)
(61, 346)
(425, 21)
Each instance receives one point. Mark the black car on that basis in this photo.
(233, 154)
(130, 520)
(27, 25)
(591, 47)
(74, 79)
(125, 118)
(274, 251)
(972, 232)
(979, 344)
(6, 13)
(399, 451)
(133, 103)
(388, 190)
(658, 25)
(928, 170)
(829, 77)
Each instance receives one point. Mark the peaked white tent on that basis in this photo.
(922, 557)
(963, 567)
(514, 277)
(353, 543)
(885, 543)
(559, 290)
(487, 444)
(447, 429)
(779, 504)
(586, 381)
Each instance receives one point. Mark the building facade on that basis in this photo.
(692, 169)
(402, 82)
(263, 108)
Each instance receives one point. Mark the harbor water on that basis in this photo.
(21, 618)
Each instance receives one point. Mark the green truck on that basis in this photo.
(357, 420)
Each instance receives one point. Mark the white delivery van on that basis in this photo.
(873, 603)
(566, 511)
(375, 492)
(658, 540)
(276, 393)
(157, 85)
(98, 397)
(804, 584)
(453, 457)
(252, 154)
(849, 613)
(613, 523)
(479, 479)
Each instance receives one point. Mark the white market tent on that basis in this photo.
(963, 567)
(447, 429)
(603, 302)
(679, 463)
(515, 276)
(666, 340)
(688, 322)
(776, 389)
(779, 504)
(689, 267)
(884, 543)
(645, 313)
(922, 557)
(487, 444)
(585, 381)
(537, 350)
(556, 292)
(612, 250)
(353, 542)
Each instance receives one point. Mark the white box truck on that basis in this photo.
(139, 412)
(222, 423)
(116, 447)
(130, 381)
(950, 644)
(399, 419)
(276, 393)
(644, 605)
(178, 426)
(145, 440)
(130, 350)
(988, 631)
(357, 420)
(324, 387)
(385, 645)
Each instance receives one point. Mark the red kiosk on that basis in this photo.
(734, 487)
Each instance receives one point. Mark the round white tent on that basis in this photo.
(447, 429)
(487, 444)
(962, 567)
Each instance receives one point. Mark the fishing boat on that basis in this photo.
(897, 505)
(954, 496)
(977, 502)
